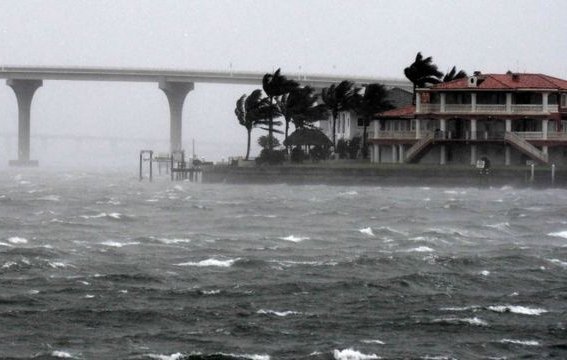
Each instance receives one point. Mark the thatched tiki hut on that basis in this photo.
(308, 142)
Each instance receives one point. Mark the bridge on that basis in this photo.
(176, 84)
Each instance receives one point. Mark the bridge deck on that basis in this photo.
(198, 76)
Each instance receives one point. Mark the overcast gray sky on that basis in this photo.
(377, 38)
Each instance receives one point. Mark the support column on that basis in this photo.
(473, 155)
(508, 125)
(443, 156)
(473, 102)
(401, 153)
(509, 103)
(544, 127)
(544, 101)
(473, 129)
(443, 101)
(417, 128)
(176, 93)
(507, 155)
(394, 154)
(24, 90)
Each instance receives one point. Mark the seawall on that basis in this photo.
(367, 174)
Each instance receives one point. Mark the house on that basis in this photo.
(508, 118)
(350, 125)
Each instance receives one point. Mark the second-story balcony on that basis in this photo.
(487, 109)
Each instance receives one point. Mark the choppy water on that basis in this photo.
(99, 266)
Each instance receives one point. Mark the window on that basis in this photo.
(360, 122)
(563, 100)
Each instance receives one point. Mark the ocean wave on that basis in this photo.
(553, 261)
(351, 354)
(218, 356)
(562, 234)
(61, 354)
(373, 341)
(17, 240)
(516, 309)
(420, 249)
(367, 231)
(294, 238)
(278, 313)
(169, 241)
(210, 262)
(462, 308)
(5, 244)
(521, 342)
(112, 216)
(119, 244)
(460, 321)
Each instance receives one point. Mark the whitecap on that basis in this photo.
(485, 273)
(33, 292)
(5, 244)
(463, 308)
(421, 249)
(89, 296)
(521, 342)
(173, 241)
(211, 292)
(367, 231)
(119, 244)
(278, 313)
(554, 261)
(348, 193)
(351, 354)
(9, 264)
(562, 234)
(17, 240)
(61, 354)
(210, 262)
(57, 265)
(176, 356)
(373, 341)
(469, 321)
(516, 309)
(294, 238)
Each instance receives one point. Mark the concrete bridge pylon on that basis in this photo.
(24, 90)
(176, 93)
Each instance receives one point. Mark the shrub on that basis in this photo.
(297, 155)
(271, 157)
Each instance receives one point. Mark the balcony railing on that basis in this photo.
(390, 134)
(488, 108)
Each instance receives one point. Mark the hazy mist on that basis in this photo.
(372, 38)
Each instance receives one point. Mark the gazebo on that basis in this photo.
(306, 138)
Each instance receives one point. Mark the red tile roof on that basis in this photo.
(506, 81)
(408, 111)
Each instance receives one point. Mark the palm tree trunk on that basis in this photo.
(334, 129)
(248, 146)
(271, 125)
(364, 154)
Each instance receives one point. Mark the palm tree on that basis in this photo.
(454, 75)
(300, 107)
(252, 111)
(276, 85)
(339, 98)
(422, 72)
(368, 104)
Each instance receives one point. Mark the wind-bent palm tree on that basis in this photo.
(422, 72)
(300, 107)
(252, 111)
(454, 75)
(276, 85)
(339, 98)
(368, 104)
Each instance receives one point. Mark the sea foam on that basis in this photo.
(278, 313)
(17, 240)
(521, 342)
(562, 234)
(351, 354)
(367, 231)
(119, 244)
(515, 309)
(210, 262)
(294, 238)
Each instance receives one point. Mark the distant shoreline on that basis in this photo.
(384, 175)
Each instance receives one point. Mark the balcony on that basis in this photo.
(488, 109)
(390, 134)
